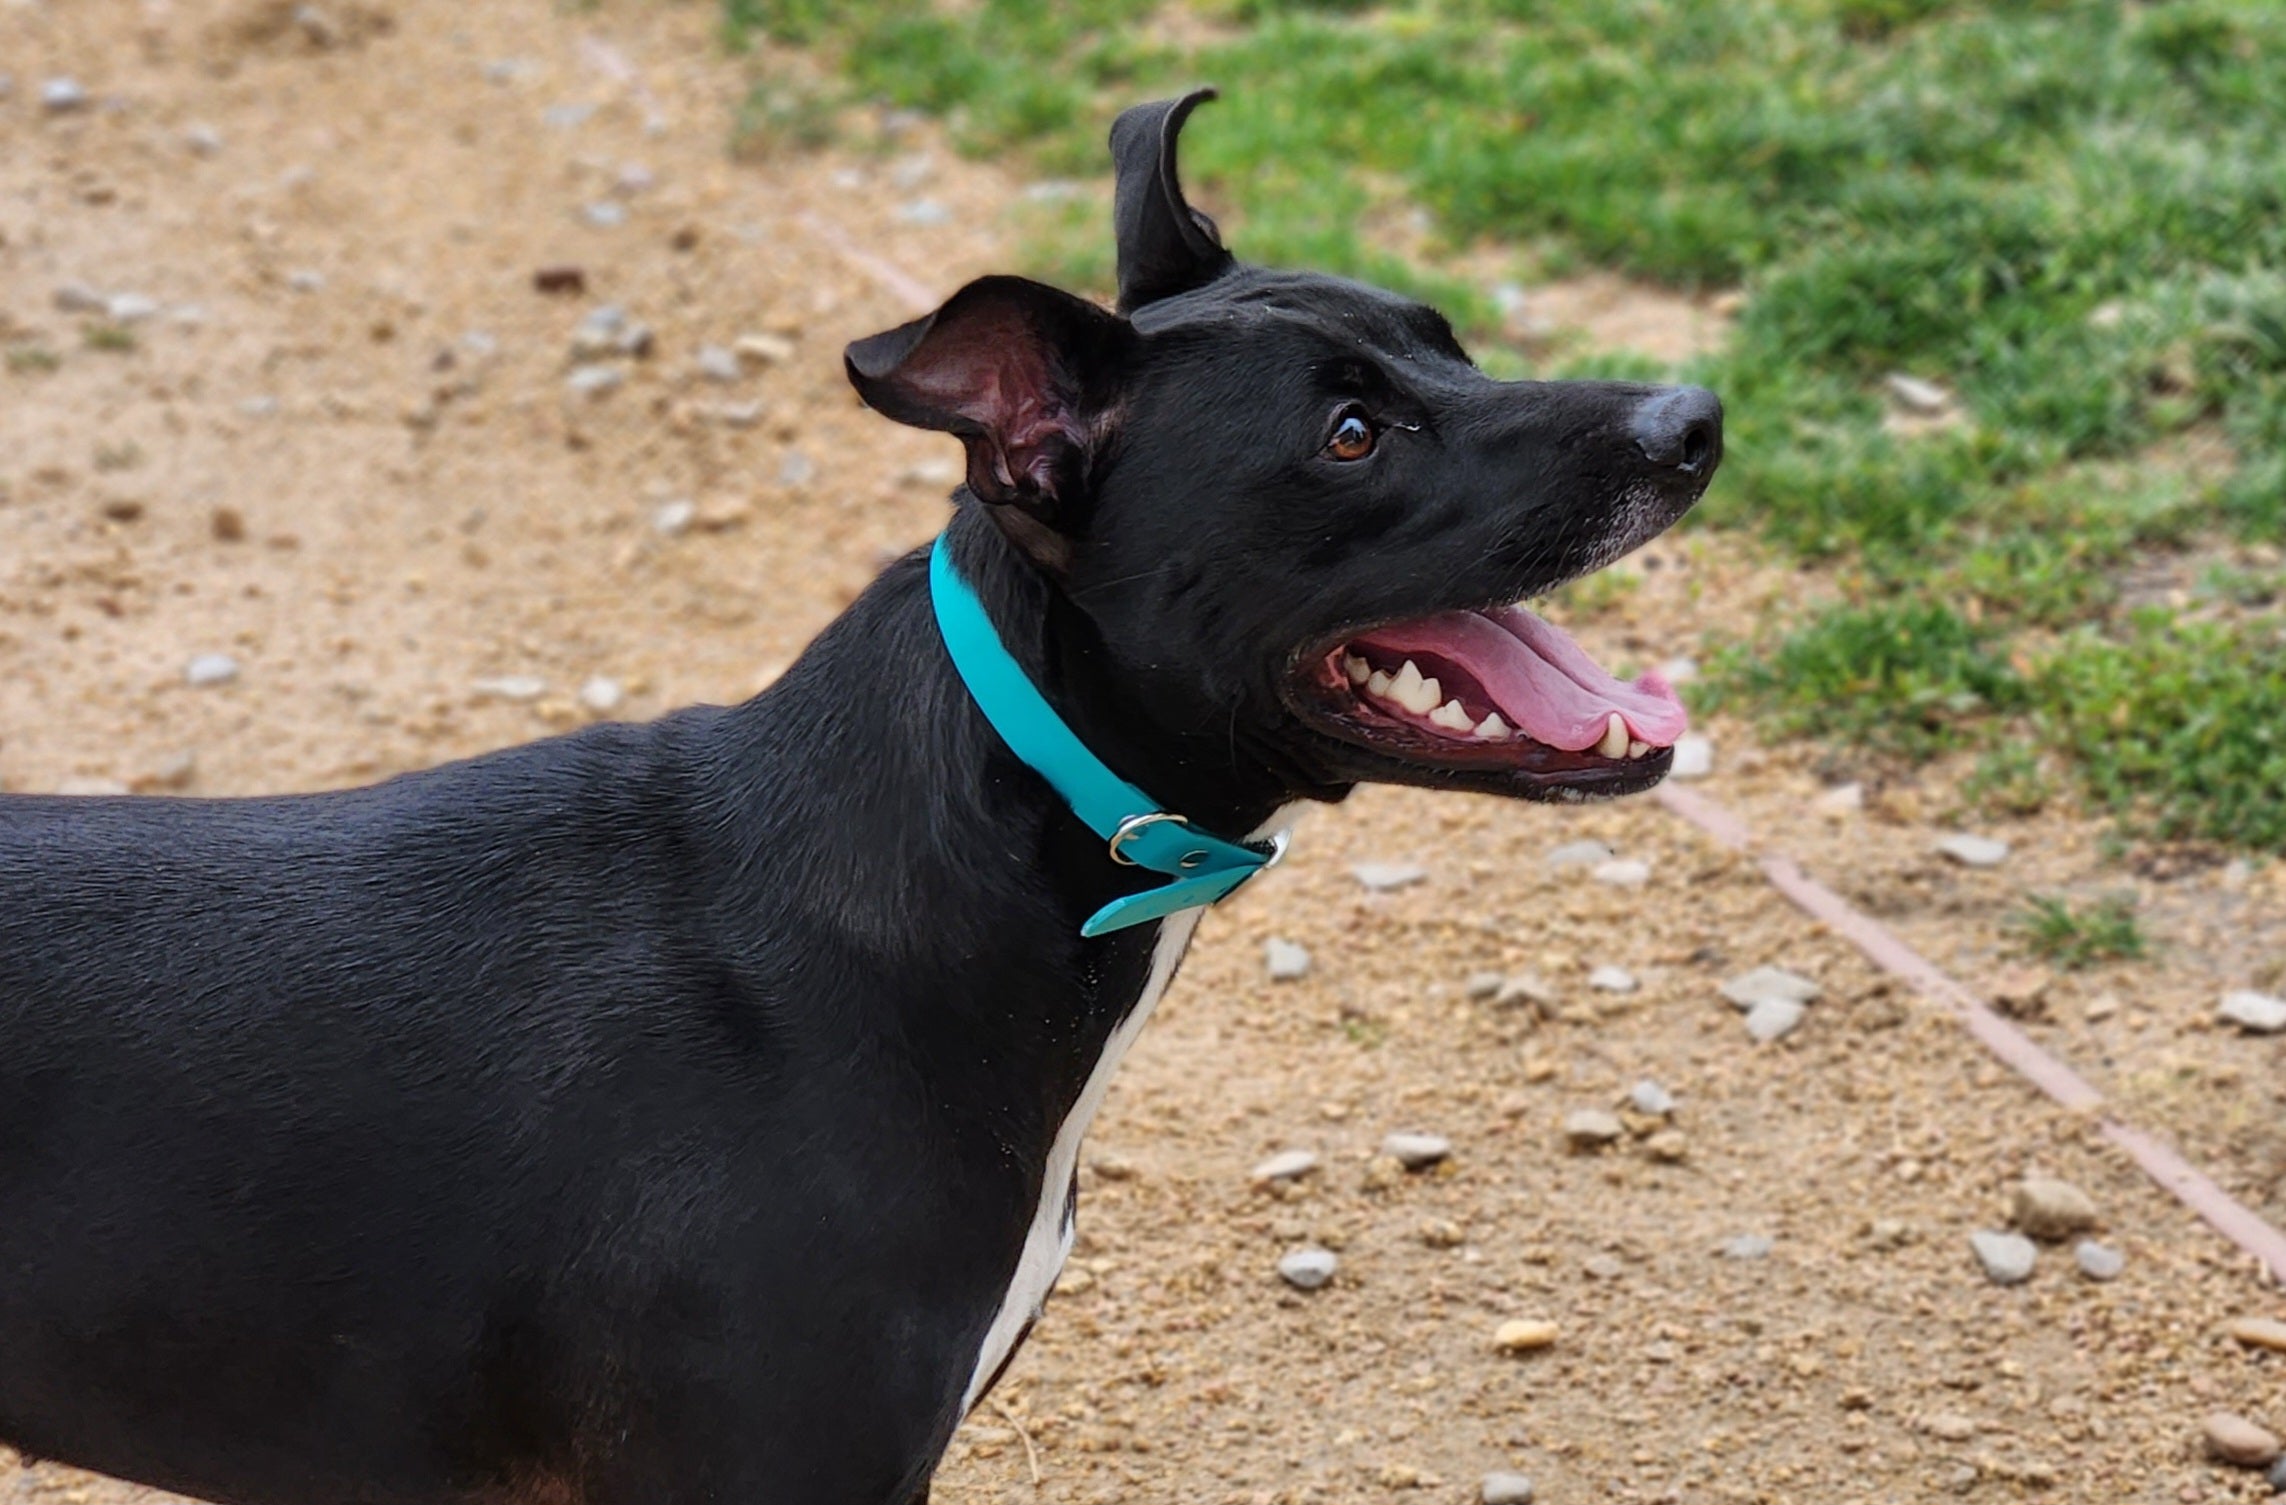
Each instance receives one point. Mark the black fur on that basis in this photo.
(655, 1113)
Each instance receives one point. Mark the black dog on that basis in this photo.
(687, 1112)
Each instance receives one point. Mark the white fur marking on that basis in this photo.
(1049, 1240)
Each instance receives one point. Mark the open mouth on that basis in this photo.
(1495, 691)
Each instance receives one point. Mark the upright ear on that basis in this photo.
(1024, 373)
(1165, 246)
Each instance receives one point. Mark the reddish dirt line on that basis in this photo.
(2015, 1049)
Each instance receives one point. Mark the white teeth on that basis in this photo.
(1358, 670)
(1452, 718)
(1492, 728)
(1614, 737)
(1415, 694)
(1638, 749)
(1377, 683)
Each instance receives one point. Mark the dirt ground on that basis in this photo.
(281, 387)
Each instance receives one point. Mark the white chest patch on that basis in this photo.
(1049, 1240)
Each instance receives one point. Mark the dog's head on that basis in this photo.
(1295, 515)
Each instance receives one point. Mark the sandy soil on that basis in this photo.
(343, 450)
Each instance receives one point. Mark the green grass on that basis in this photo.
(2070, 213)
(2075, 937)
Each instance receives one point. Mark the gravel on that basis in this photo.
(1613, 980)
(601, 695)
(594, 381)
(2256, 1013)
(512, 687)
(1382, 877)
(2258, 1332)
(1579, 854)
(2098, 1261)
(61, 96)
(1748, 1246)
(1774, 1019)
(1592, 1128)
(1650, 1099)
(1973, 851)
(2233, 1439)
(1524, 1335)
(2277, 1476)
(719, 363)
(1505, 1489)
(1309, 1268)
(210, 669)
(1622, 872)
(2007, 1258)
(2054, 1210)
(1417, 1152)
(130, 308)
(1694, 757)
(1286, 1165)
(1767, 985)
(675, 517)
(1285, 960)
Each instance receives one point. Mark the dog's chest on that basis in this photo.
(1049, 1238)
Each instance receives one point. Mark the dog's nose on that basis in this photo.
(1680, 429)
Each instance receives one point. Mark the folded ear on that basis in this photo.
(1165, 246)
(1023, 373)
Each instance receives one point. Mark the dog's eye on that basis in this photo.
(1353, 437)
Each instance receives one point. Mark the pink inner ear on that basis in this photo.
(995, 373)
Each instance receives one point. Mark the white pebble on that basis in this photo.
(1694, 757)
(1381, 877)
(601, 695)
(2007, 1258)
(2256, 1013)
(1622, 872)
(512, 687)
(211, 669)
(1417, 1152)
(1650, 1099)
(1973, 851)
(1766, 983)
(1308, 1269)
(59, 96)
(1613, 980)
(1285, 960)
(1286, 1165)
(1773, 1019)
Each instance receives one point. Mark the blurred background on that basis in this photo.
(389, 380)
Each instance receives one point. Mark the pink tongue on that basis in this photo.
(1543, 683)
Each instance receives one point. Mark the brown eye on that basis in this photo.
(1352, 438)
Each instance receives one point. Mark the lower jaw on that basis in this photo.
(1518, 767)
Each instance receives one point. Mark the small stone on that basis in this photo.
(2258, 1332)
(768, 350)
(594, 381)
(1622, 872)
(1505, 1489)
(1973, 851)
(2007, 1258)
(1694, 757)
(2098, 1262)
(1417, 1152)
(1579, 854)
(923, 212)
(1602, 1267)
(1747, 1246)
(675, 517)
(1591, 1129)
(91, 788)
(210, 669)
(1613, 980)
(130, 308)
(634, 178)
(227, 524)
(61, 96)
(719, 363)
(1286, 1165)
(1773, 1019)
(79, 298)
(2276, 1478)
(560, 281)
(2054, 1210)
(1765, 984)
(604, 214)
(2233, 1439)
(1110, 1165)
(1308, 1269)
(1482, 985)
(1523, 988)
(2100, 1008)
(1650, 1099)
(601, 695)
(1842, 799)
(796, 469)
(512, 687)
(2256, 1013)
(317, 26)
(1915, 395)
(1668, 1147)
(1285, 960)
(1524, 1335)
(306, 281)
(1946, 1426)
(202, 140)
(1381, 877)
(173, 772)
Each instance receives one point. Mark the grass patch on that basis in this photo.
(2071, 214)
(33, 360)
(114, 339)
(2074, 938)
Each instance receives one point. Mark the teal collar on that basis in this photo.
(1135, 830)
